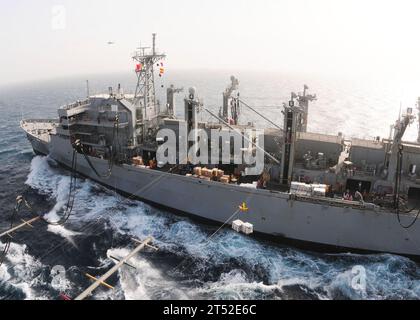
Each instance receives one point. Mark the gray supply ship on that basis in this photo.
(298, 196)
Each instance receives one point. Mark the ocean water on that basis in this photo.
(46, 261)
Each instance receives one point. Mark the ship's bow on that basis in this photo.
(39, 133)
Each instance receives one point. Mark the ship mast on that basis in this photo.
(303, 100)
(418, 107)
(145, 96)
(291, 116)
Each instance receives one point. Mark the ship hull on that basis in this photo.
(274, 215)
(39, 146)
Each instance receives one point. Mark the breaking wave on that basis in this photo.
(231, 266)
(18, 274)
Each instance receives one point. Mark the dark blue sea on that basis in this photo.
(46, 261)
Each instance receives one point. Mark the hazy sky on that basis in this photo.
(322, 36)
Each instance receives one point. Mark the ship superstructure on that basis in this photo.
(323, 190)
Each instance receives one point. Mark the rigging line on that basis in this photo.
(92, 224)
(397, 196)
(118, 145)
(111, 160)
(93, 167)
(260, 114)
(411, 224)
(265, 107)
(230, 218)
(151, 183)
(72, 195)
(207, 241)
(15, 213)
(240, 133)
(5, 251)
(160, 177)
(96, 221)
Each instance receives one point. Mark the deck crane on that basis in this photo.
(170, 98)
(399, 129)
(303, 101)
(230, 98)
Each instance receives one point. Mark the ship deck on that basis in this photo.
(39, 128)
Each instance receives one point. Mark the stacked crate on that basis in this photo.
(244, 227)
(237, 225)
(225, 179)
(211, 174)
(319, 190)
(301, 189)
(308, 190)
(137, 161)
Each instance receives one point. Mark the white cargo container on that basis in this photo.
(247, 228)
(237, 225)
(319, 192)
